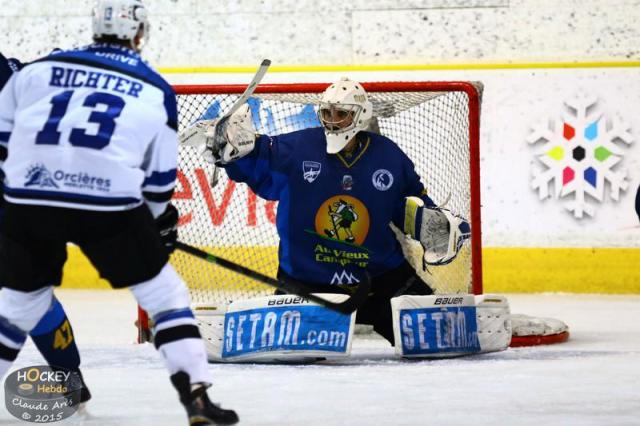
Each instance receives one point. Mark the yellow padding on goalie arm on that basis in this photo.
(412, 204)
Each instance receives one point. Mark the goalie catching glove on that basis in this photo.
(440, 232)
(223, 140)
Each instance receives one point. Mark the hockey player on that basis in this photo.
(92, 152)
(339, 188)
(53, 335)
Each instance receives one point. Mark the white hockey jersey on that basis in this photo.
(92, 128)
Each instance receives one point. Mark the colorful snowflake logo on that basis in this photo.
(580, 153)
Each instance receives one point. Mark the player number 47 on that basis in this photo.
(106, 120)
(63, 336)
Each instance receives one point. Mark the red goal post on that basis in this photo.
(435, 123)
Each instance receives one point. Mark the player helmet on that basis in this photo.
(344, 110)
(121, 19)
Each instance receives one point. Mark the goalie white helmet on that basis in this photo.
(122, 20)
(344, 110)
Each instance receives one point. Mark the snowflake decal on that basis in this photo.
(581, 154)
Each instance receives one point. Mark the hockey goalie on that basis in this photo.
(340, 187)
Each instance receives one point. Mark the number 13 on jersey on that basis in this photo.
(106, 120)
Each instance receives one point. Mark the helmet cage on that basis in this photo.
(338, 118)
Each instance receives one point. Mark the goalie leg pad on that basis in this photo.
(445, 326)
(494, 322)
(281, 328)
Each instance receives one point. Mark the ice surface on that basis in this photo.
(594, 379)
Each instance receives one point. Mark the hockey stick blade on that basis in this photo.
(188, 136)
(295, 287)
(262, 70)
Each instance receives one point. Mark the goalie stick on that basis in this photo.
(296, 287)
(262, 70)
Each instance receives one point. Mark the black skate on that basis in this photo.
(200, 410)
(85, 395)
(76, 384)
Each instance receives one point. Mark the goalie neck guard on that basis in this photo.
(121, 20)
(344, 111)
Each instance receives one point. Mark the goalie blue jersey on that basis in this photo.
(334, 211)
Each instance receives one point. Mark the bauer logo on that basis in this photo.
(285, 328)
(579, 155)
(436, 330)
(40, 394)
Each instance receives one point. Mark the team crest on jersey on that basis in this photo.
(344, 277)
(343, 218)
(347, 182)
(382, 179)
(311, 170)
(39, 175)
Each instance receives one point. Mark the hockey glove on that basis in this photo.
(223, 140)
(440, 232)
(167, 224)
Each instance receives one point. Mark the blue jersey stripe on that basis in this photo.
(12, 332)
(51, 320)
(34, 194)
(160, 178)
(171, 315)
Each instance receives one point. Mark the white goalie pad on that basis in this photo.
(282, 328)
(445, 326)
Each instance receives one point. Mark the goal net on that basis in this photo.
(435, 123)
